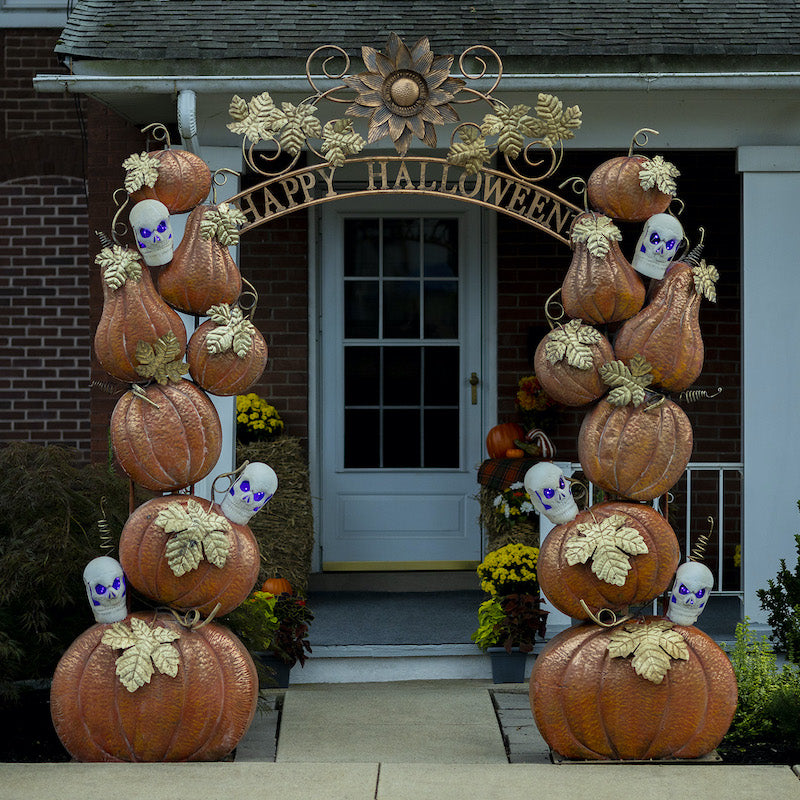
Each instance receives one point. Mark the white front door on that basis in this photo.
(400, 420)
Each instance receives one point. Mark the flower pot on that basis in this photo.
(276, 672)
(507, 667)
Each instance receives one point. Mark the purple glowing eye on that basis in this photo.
(245, 486)
(258, 496)
(655, 238)
(699, 593)
(146, 232)
(671, 244)
(683, 589)
(561, 483)
(162, 226)
(117, 583)
(100, 589)
(549, 493)
(231, 492)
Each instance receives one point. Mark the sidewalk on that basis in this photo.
(420, 740)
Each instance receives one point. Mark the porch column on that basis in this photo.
(771, 364)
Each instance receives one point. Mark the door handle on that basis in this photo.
(473, 382)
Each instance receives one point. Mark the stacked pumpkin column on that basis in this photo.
(170, 684)
(617, 687)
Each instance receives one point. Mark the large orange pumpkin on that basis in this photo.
(169, 440)
(566, 581)
(132, 312)
(637, 452)
(146, 554)
(202, 273)
(501, 438)
(184, 180)
(198, 715)
(588, 705)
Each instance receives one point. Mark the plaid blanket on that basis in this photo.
(499, 473)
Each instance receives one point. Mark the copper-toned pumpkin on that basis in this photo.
(183, 181)
(200, 714)
(567, 363)
(600, 285)
(133, 312)
(590, 705)
(168, 439)
(502, 437)
(613, 555)
(202, 273)
(217, 563)
(637, 452)
(277, 586)
(615, 189)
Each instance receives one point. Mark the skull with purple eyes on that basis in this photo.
(550, 492)
(658, 245)
(693, 582)
(106, 589)
(250, 493)
(153, 232)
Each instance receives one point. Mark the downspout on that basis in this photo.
(187, 120)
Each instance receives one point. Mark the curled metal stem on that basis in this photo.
(640, 139)
(119, 228)
(597, 618)
(159, 132)
(220, 178)
(483, 66)
(232, 479)
(248, 300)
(553, 319)
(699, 550)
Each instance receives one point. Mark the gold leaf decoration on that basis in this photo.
(705, 278)
(141, 170)
(297, 124)
(608, 543)
(255, 120)
(597, 231)
(571, 342)
(553, 123)
(145, 649)
(470, 153)
(628, 382)
(509, 124)
(221, 223)
(119, 265)
(659, 174)
(652, 644)
(161, 360)
(339, 140)
(233, 332)
(196, 533)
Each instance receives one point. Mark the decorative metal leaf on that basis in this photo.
(119, 264)
(705, 276)
(234, 331)
(470, 153)
(141, 170)
(652, 645)
(161, 360)
(608, 543)
(298, 124)
(598, 232)
(145, 649)
(184, 552)
(659, 174)
(552, 123)
(255, 120)
(572, 342)
(628, 382)
(510, 124)
(221, 223)
(339, 140)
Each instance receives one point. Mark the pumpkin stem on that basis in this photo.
(596, 618)
(557, 313)
(640, 139)
(248, 300)
(693, 256)
(159, 132)
(192, 619)
(580, 187)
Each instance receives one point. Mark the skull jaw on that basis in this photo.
(565, 511)
(157, 256)
(236, 510)
(651, 267)
(682, 614)
(112, 612)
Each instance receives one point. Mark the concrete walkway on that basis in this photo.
(420, 740)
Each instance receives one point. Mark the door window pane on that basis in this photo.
(441, 438)
(362, 438)
(441, 310)
(401, 438)
(361, 247)
(401, 376)
(362, 376)
(401, 248)
(360, 309)
(401, 309)
(441, 376)
(440, 248)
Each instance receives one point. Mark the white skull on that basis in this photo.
(658, 245)
(251, 492)
(153, 232)
(106, 589)
(550, 492)
(693, 582)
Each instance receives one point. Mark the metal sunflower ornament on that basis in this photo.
(405, 93)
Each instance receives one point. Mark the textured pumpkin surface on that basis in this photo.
(199, 715)
(225, 373)
(666, 332)
(202, 273)
(277, 586)
(131, 314)
(588, 705)
(570, 385)
(601, 290)
(142, 553)
(501, 438)
(614, 189)
(184, 180)
(633, 452)
(171, 444)
(650, 573)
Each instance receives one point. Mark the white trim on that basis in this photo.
(314, 343)
(768, 159)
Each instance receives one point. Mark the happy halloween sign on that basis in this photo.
(501, 192)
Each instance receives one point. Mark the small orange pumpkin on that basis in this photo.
(502, 437)
(277, 586)
(515, 452)
(184, 180)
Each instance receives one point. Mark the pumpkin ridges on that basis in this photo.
(126, 447)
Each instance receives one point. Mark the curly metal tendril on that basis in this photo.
(327, 72)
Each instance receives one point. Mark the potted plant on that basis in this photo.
(510, 619)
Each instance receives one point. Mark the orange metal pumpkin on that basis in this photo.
(198, 715)
(502, 437)
(168, 439)
(566, 581)
(202, 273)
(277, 586)
(146, 551)
(638, 452)
(588, 705)
(184, 180)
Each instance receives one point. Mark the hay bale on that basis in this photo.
(500, 531)
(285, 528)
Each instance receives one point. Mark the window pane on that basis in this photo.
(401, 309)
(361, 253)
(361, 439)
(441, 248)
(441, 438)
(441, 310)
(360, 309)
(401, 248)
(401, 376)
(401, 438)
(362, 367)
(441, 376)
